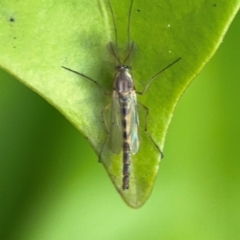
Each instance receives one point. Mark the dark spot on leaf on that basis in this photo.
(214, 5)
(11, 19)
(138, 10)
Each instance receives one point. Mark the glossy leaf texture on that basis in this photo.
(38, 37)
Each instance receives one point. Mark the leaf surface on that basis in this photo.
(38, 37)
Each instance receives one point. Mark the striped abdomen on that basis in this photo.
(130, 141)
(125, 116)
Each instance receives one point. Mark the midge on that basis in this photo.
(124, 129)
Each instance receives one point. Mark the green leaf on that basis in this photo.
(38, 37)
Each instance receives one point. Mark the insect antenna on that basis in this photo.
(114, 24)
(116, 55)
(129, 46)
(129, 52)
(129, 25)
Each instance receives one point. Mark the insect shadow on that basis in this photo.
(124, 125)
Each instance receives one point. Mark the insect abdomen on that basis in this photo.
(125, 112)
(126, 165)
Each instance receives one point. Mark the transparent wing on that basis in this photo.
(134, 140)
(132, 127)
(115, 128)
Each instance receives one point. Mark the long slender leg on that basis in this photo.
(106, 128)
(155, 76)
(146, 128)
(90, 79)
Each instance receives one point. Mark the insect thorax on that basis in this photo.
(123, 80)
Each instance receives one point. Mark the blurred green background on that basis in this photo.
(52, 187)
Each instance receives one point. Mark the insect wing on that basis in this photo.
(116, 127)
(133, 125)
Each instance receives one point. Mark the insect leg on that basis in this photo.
(146, 128)
(92, 80)
(106, 128)
(155, 76)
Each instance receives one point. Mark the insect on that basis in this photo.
(124, 127)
